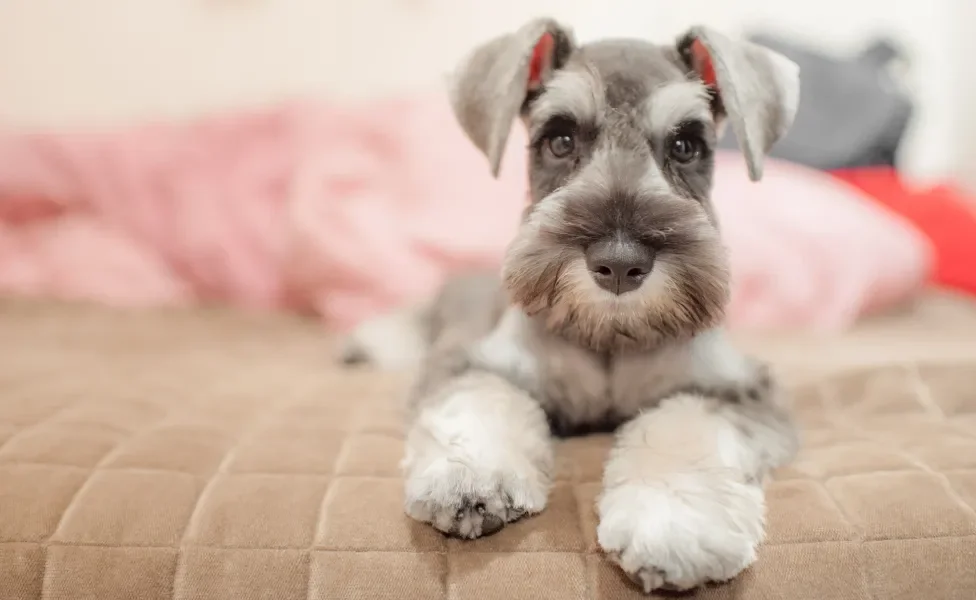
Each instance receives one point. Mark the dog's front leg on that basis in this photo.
(683, 502)
(478, 456)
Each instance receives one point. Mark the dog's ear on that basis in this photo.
(757, 89)
(494, 82)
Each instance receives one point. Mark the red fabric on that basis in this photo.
(945, 214)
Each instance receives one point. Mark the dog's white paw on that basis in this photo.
(684, 532)
(469, 500)
(390, 342)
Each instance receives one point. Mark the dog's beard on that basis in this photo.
(686, 293)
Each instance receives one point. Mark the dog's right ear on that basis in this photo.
(494, 82)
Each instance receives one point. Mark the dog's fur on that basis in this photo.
(545, 350)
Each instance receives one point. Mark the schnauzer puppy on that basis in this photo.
(609, 308)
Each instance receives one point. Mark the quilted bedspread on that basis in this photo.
(211, 455)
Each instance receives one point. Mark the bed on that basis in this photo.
(210, 454)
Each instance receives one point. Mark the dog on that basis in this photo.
(608, 312)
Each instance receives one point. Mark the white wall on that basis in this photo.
(964, 47)
(106, 61)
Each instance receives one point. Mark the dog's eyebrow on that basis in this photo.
(674, 103)
(576, 92)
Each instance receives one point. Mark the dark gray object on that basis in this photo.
(852, 111)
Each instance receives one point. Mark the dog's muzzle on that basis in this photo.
(619, 264)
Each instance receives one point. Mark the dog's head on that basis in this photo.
(620, 248)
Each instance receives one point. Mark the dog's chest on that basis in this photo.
(578, 389)
(583, 391)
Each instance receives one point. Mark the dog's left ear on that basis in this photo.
(757, 89)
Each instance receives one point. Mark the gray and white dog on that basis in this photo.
(609, 308)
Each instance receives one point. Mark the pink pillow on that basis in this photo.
(809, 251)
(347, 211)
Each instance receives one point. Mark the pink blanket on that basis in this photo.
(345, 212)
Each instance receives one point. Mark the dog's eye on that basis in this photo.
(684, 149)
(561, 145)
(557, 138)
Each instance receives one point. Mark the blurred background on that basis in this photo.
(299, 155)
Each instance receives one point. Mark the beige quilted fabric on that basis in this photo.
(206, 455)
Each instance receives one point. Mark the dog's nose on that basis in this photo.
(619, 265)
